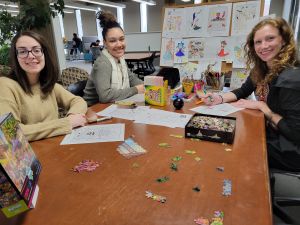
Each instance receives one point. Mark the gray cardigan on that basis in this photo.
(98, 87)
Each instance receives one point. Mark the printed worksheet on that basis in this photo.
(95, 134)
(219, 19)
(196, 19)
(217, 110)
(167, 52)
(244, 16)
(174, 23)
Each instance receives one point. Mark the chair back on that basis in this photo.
(72, 75)
(96, 51)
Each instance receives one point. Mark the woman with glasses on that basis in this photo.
(110, 78)
(31, 94)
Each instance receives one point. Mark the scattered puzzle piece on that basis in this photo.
(227, 186)
(198, 159)
(220, 168)
(162, 179)
(135, 165)
(87, 165)
(190, 152)
(196, 189)
(176, 135)
(164, 145)
(201, 221)
(177, 158)
(174, 166)
(216, 220)
(195, 139)
(155, 197)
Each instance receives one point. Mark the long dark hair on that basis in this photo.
(287, 57)
(49, 74)
(107, 21)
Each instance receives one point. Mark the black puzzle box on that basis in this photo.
(211, 128)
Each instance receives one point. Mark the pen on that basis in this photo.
(100, 119)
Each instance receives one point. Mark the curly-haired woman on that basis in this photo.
(275, 78)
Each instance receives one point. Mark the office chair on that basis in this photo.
(96, 51)
(74, 80)
(145, 67)
(279, 203)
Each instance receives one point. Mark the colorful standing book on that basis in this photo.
(19, 169)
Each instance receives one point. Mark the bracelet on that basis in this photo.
(221, 99)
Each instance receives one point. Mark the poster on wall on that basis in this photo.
(238, 43)
(244, 17)
(180, 51)
(187, 70)
(219, 48)
(167, 52)
(238, 77)
(174, 23)
(195, 48)
(196, 21)
(219, 19)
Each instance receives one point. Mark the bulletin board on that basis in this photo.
(195, 36)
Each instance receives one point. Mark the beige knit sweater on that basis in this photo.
(39, 117)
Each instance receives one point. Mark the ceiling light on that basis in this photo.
(148, 2)
(68, 11)
(77, 6)
(10, 10)
(104, 3)
(9, 5)
(185, 0)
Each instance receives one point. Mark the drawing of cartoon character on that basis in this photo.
(180, 47)
(222, 52)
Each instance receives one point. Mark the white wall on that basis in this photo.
(89, 23)
(70, 25)
(131, 14)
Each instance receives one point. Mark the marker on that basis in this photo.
(100, 119)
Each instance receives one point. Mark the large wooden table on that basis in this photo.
(114, 194)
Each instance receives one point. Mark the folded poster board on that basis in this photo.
(19, 169)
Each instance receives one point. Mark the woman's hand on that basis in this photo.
(251, 104)
(140, 88)
(77, 120)
(212, 99)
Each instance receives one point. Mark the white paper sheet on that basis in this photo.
(96, 133)
(145, 115)
(217, 110)
(164, 118)
(123, 113)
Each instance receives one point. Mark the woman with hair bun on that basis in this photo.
(110, 78)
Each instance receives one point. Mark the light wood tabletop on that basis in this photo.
(114, 194)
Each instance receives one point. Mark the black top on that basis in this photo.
(76, 42)
(283, 99)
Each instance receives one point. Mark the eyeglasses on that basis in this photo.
(23, 53)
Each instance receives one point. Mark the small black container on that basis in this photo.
(178, 103)
(215, 135)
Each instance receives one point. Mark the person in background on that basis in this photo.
(76, 44)
(275, 78)
(31, 94)
(95, 44)
(110, 78)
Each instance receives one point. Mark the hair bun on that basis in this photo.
(105, 18)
